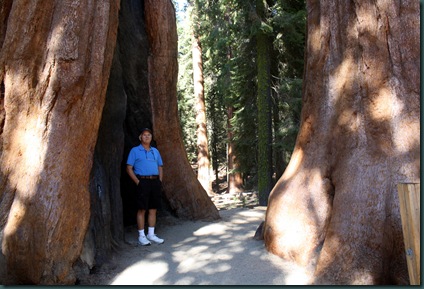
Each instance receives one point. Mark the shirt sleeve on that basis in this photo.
(160, 162)
(131, 158)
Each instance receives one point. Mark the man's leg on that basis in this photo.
(140, 219)
(142, 240)
(152, 217)
(154, 204)
(152, 222)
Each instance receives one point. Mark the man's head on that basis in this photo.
(146, 135)
(146, 129)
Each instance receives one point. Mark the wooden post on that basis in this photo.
(409, 198)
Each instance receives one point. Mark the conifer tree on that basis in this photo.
(200, 111)
(263, 42)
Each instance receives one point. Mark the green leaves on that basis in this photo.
(228, 30)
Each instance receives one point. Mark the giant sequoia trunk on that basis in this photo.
(54, 73)
(126, 111)
(185, 194)
(55, 64)
(336, 206)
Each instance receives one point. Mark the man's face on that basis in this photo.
(146, 137)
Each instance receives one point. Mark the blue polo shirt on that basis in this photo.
(145, 162)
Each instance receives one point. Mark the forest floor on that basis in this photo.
(222, 252)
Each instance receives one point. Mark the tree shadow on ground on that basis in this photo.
(200, 253)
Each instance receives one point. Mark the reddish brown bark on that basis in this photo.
(200, 108)
(336, 206)
(55, 73)
(234, 179)
(183, 191)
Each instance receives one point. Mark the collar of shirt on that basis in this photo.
(147, 152)
(141, 147)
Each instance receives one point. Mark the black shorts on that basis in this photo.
(149, 194)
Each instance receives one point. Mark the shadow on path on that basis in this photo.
(201, 253)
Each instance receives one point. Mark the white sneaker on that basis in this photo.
(155, 239)
(142, 240)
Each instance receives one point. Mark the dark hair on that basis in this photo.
(146, 129)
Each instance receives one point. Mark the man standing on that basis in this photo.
(144, 166)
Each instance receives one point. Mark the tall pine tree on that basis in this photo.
(263, 43)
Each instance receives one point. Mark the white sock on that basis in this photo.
(141, 233)
(151, 231)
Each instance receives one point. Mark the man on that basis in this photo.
(144, 166)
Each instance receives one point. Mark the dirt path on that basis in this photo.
(201, 253)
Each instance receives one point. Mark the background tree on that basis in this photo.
(200, 108)
(218, 19)
(263, 43)
(186, 196)
(359, 137)
(228, 35)
(288, 23)
(185, 85)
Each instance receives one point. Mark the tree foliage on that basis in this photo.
(228, 31)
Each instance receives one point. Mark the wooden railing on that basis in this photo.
(409, 198)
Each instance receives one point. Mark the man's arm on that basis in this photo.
(132, 175)
(160, 173)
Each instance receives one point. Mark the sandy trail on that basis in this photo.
(201, 253)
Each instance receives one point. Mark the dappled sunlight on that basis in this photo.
(193, 250)
(12, 225)
(248, 216)
(186, 241)
(202, 264)
(348, 119)
(203, 253)
(214, 229)
(304, 212)
(314, 40)
(362, 277)
(320, 203)
(401, 123)
(299, 276)
(341, 79)
(297, 231)
(31, 148)
(26, 142)
(402, 138)
(293, 166)
(383, 105)
(153, 271)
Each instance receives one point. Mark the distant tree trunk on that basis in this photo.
(264, 109)
(280, 163)
(214, 145)
(185, 194)
(55, 73)
(235, 181)
(336, 206)
(278, 155)
(202, 133)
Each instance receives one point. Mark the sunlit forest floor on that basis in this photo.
(222, 252)
(225, 201)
